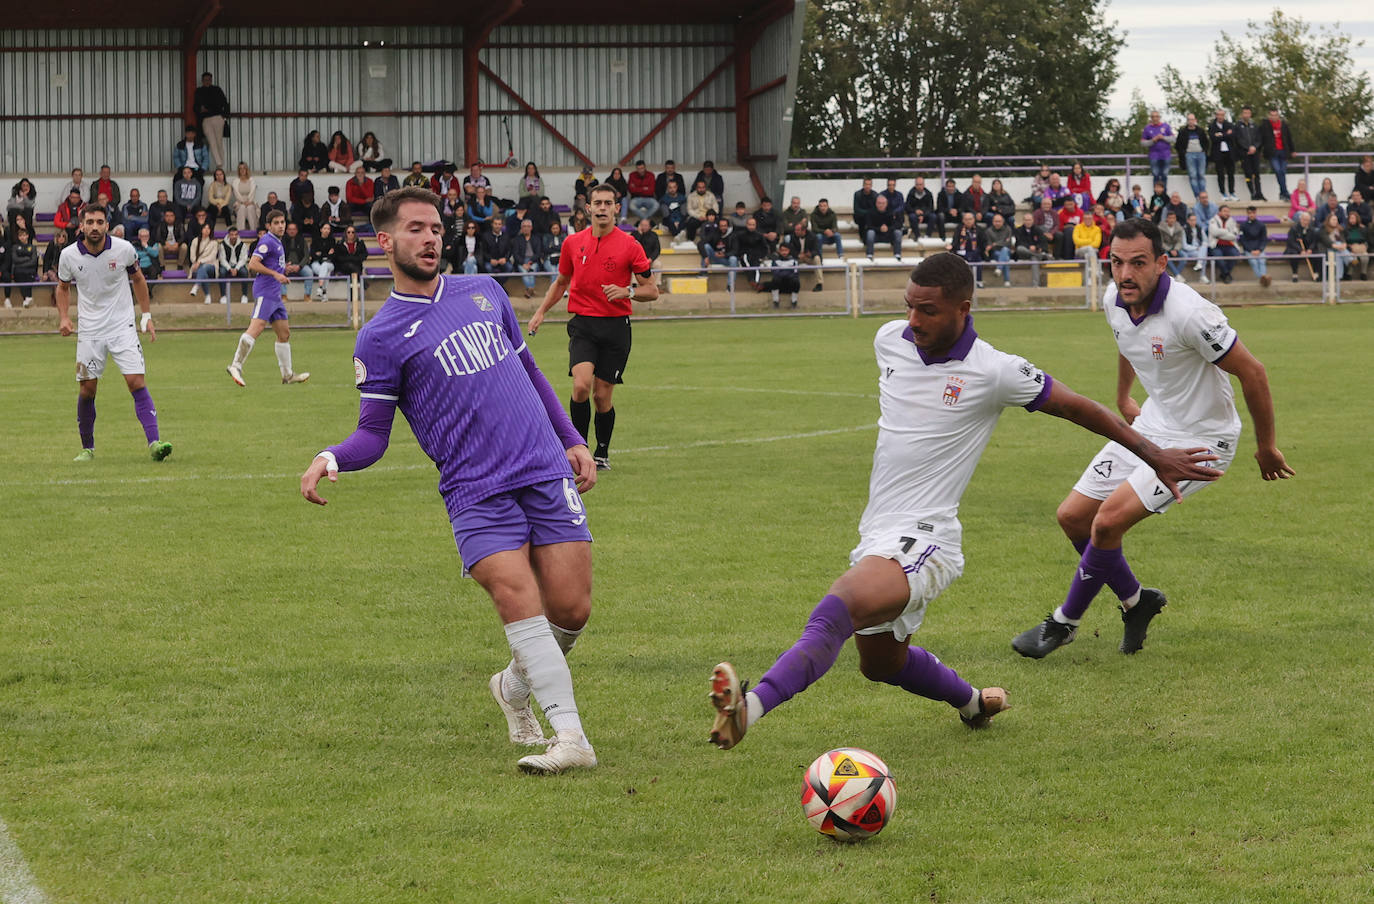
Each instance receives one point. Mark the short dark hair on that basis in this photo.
(823, 201)
(947, 272)
(765, 200)
(640, 163)
(273, 215)
(710, 163)
(669, 163)
(93, 209)
(388, 207)
(603, 188)
(1136, 227)
(1247, 107)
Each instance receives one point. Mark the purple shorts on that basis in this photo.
(267, 306)
(542, 514)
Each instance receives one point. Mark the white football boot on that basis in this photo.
(521, 724)
(567, 752)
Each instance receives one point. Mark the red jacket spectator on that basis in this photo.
(1070, 215)
(358, 194)
(68, 216)
(641, 184)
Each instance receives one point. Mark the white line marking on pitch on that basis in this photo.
(177, 478)
(17, 884)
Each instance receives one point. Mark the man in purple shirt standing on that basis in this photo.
(268, 264)
(448, 351)
(1158, 139)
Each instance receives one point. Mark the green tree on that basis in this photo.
(954, 77)
(1283, 62)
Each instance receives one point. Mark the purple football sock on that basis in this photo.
(810, 657)
(147, 414)
(85, 421)
(926, 675)
(1123, 584)
(1080, 546)
(1097, 567)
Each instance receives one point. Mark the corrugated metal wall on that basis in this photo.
(770, 114)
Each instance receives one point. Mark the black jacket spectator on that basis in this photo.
(876, 219)
(383, 184)
(1267, 147)
(23, 261)
(297, 251)
(299, 186)
(864, 201)
(492, 248)
(209, 101)
(267, 207)
(322, 248)
(162, 231)
(518, 245)
(767, 220)
(949, 202)
(1031, 240)
(1003, 203)
(156, 208)
(1364, 182)
(749, 245)
(649, 242)
(715, 184)
(349, 259)
(543, 216)
(1254, 236)
(1300, 241)
(661, 184)
(306, 216)
(314, 154)
(1218, 134)
(1187, 133)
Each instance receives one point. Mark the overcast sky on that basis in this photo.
(1184, 34)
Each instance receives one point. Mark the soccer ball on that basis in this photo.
(848, 794)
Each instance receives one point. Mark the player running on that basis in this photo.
(598, 263)
(102, 267)
(447, 351)
(941, 390)
(1182, 347)
(269, 263)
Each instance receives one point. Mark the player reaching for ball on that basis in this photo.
(447, 351)
(1181, 347)
(941, 390)
(102, 267)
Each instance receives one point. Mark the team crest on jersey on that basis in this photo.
(482, 303)
(954, 386)
(1157, 348)
(112, 265)
(359, 372)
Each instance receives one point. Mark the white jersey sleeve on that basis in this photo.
(126, 255)
(65, 269)
(1209, 332)
(1020, 382)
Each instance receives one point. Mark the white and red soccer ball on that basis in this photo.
(848, 794)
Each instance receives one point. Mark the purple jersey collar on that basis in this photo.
(85, 250)
(422, 299)
(1156, 303)
(957, 352)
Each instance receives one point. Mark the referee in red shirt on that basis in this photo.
(598, 263)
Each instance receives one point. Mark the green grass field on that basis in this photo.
(211, 691)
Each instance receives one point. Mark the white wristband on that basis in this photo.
(143, 321)
(331, 464)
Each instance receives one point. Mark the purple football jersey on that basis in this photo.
(268, 249)
(452, 365)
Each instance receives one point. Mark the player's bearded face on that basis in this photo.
(936, 323)
(415, 248)
(94, 229)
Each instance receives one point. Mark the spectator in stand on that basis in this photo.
(531, 184)
(1087, 237)
(1356, 244)
(443, 177)
(948, 203)
(494, 255)
(1158, 202)
(134, 213)
(371, 154)
(793, 214)
(23, 197)
(475, 180)
(233, 265)
(1205, 210)
(197, 219)
(1249, 144)
(865, 200)
(68, 216)
(296, 252)
(1326, 192)
(51, 254)
(305, 214)
(785, 277)
(1039, 183)
(1080, 185)
(881, 225)
(272, 203)
(712, 241)
(699, 203)
(170, 235)
(212, 112)
(187, 192)
(1302, 239)
(1359, 206)
(1193, 146)
(481, 211)
(314, 154)
(203, 260)
(543, 216)
(1300, 201)
(669, 175)
(190, 152)
(1332, 208)
(1221, 137)
(300, 185)
(642, 201)
(149, 254)
(359, 192)
(76, 183)
(1171, 239)
(340, 153)
(1364, 176)
(527, 254)
(739, 217)
(463, 251)
(350, 256)
(219, 198)
(1001, 201)
(335, 211)
(578, 222)
(968, 243)
(1177, 205)
(107, 185)
(1057, 191)
(1277, 147)
(1331, 239)
(1195, 245)
(112, 215)
(770, 227)
(24, 261)
(245, 199)
(1070, 215)
(1157, 139)
(1254, 238)
(673, 207)
(1137, 203)
(384, 183)
(1115, 212)
(451, 208)
(825, 226)
(806, 249)
(1113, 190)
(999, 243)
(1031, 245)
(648, 240)
(586, 181)
(321, 265)
(1045, 219)
(1223, 237)
(715, 183)
(749, 250)
(896, 203)
(553, 246)
(921, 211)
(617, 181)
(975, 200)
(416, 176)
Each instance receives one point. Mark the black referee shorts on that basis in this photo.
(604, 341)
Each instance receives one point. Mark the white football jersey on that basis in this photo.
(104, 300)
(1174, 349)
(935, 418)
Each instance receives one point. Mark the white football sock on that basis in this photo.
(1131, 600)
(776, 293)
(565, 637)
(753, 709)
(284, 358)
(1063, 619)
(973, 706)
(537, 655)
(513, 684)
(246, 343)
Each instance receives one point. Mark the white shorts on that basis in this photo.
(1115, 464)
(123, 346)
(930, 567)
